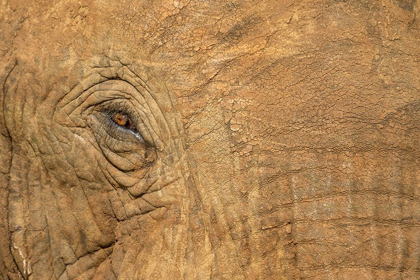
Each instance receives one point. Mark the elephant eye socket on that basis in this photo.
(123, 120)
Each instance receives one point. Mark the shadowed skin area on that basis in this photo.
(209, 139)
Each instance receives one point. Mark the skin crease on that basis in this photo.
(269, 140)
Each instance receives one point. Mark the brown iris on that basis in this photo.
(124, 121)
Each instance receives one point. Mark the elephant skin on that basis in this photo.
(193, 139)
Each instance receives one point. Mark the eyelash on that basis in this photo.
(115, 108)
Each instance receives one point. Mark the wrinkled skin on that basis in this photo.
(273, 140)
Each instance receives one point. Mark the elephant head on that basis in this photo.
(209, 139)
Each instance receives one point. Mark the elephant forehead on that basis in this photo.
(172, 35)
(305, 71)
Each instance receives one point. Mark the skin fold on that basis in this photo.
(209, 139)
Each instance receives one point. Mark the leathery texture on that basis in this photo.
(209, 139)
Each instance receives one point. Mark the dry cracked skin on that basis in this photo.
(213, 139)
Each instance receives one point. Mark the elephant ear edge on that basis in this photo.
(8, 266)
(12, 19)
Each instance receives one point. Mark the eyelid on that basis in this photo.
(116, 107)
(106, 110)
(123, 148)
(118, 132)
(84, 104)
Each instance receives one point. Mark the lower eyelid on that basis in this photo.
(139, 137)
(123, 130)
(102, 123)
(104, 113)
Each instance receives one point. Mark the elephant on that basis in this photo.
(192, 139)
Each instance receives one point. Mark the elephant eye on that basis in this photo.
(124, 121)
(120, 121)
